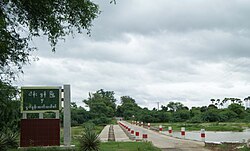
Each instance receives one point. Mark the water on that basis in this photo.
(212, 136)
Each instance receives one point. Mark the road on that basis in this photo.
(168, 143)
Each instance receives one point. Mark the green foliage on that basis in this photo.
(20, 21)
(101, 103)
(89, 141)
(174, 106)
(79, 116)
(237, 109)
(245, 148)
(128, 108)
(9, 108)
(8, 140)
(211, 115)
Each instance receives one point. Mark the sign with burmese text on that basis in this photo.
(40, 99)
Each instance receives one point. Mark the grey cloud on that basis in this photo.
(190, 51)
(148, 16)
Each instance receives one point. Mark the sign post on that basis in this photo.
(40, 132)
(67, 116)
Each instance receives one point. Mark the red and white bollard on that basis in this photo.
(137, 135)
(144, 137)
(170, 131)
(137, 123)
(128, 129)
(148, 125)
(142, 124)
(183, 133)
(160, 128)
(203, 135)
(132, 132)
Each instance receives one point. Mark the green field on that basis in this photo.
(236, 127)
(108, 146)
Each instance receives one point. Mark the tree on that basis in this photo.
(9, 107)
(212, 100)
(238, 109)
(128, 108)
(211, 116)
(101, 105)
(174, 106)
(164, 108)
(21, 21)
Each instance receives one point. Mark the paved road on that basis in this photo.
(104, 134)
(168, 143)
(120, 136)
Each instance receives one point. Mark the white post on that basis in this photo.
(160, 128)
(170, 130)
(183, 133)
(24, 115)
(67, 117)
(203, 135)
(57, 115)
(40, 115)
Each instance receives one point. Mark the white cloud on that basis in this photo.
(188, 51)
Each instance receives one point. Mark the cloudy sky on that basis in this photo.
(154, 51)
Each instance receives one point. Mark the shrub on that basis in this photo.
(89, 141)
(8, 140)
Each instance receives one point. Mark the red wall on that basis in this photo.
(40, 132)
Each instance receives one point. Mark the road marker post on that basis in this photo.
(142, 124)
(137, 136)
(183, 133)
(160, 128)
(203, 135)
(148, 125)
(144, 137)
(170, 130)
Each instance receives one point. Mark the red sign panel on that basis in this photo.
(40, 132)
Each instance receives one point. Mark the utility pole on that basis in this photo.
(158, 104)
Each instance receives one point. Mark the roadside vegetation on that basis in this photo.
(103, 109)
(213, 126)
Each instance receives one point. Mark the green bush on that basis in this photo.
(8, 140)
(89, 141)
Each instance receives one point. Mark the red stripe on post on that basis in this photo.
(203, 135)
(136, 133)
(183, 133)
(144, 136)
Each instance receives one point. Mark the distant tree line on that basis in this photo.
(102, 109)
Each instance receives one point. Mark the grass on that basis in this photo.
(128, 146)
(236, 127)
(108, 146)
(76, 132)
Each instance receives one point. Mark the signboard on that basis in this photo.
(37, 99)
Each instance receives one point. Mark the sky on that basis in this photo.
(154, 51)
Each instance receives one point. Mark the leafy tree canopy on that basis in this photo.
(21, 20)
(101, 103)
